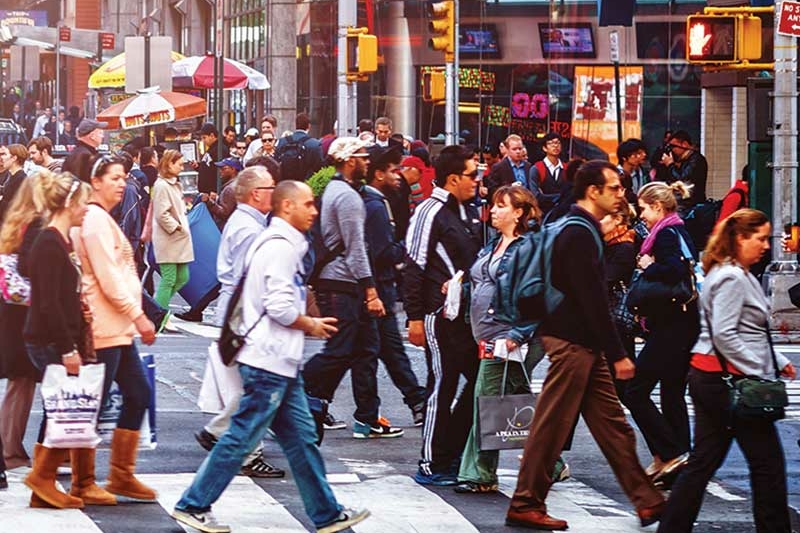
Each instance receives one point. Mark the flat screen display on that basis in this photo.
(478, 40)
(567, 40)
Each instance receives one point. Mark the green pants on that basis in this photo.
(173, 277)
(478, 466)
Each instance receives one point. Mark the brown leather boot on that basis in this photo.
(121, 481)
(83, 480)
(42, 479)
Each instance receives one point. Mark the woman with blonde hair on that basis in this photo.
(22, 225)
(172, 240)
(56, 324)
(113, 290)
(665, 256)
(734, 327)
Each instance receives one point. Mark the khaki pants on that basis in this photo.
(578, 382)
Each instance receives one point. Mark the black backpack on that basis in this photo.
(701, 218)
(293, 158)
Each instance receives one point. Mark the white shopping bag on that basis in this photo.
(452, 302)
(109, 414)
(71, 404)
(221, 383)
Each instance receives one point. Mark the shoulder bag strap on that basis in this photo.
(244, 277)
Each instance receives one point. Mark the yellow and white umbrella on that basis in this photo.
(112, 72)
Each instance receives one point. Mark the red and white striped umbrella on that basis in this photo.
(152, 106)
(198, 72)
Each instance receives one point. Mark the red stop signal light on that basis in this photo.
(711, 39)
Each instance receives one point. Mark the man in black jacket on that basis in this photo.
(514, 168)
(443, 238)
(579, 336)
(90, 136)
(686, 164)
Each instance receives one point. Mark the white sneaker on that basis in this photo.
(347, 518)
(204, 522)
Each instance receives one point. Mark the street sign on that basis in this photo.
(106, 41)
(64, 34)
(613, 43)
(789, 21)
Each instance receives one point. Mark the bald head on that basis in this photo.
(293, 201)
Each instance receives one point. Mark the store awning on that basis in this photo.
(83, 43)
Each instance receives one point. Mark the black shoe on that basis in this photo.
(190, 316)
(3, 481)
(205, 439)
(418, 413)
(330, 422)
(261, 468)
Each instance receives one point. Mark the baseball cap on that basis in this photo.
(230, 162)
(88, 125)
(252, 132)
(344, 148)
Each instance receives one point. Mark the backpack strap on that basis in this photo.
(541, 169)
(575, 220)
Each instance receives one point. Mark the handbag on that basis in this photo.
(648, 297)
(751, 396)
(620, 314)
(14, 287)
(71, 405)
(504, 421)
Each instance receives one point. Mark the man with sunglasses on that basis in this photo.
(444, 237)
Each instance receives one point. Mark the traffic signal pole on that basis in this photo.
(451, 86)
(347, 91)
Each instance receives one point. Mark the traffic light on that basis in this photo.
(433, 86)
(443, 26)
(720, 39)
(362, 54)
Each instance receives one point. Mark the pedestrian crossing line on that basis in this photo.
(16, 515)
(398, 504)
(572, 501)
(201, 330)
(244, 506)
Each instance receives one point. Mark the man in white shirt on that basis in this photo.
(41, 122)
(274, 302)
(546, 179)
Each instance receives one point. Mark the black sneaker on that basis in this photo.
(347, 518)
(205, 439)
(3, 481)
(418, 413)
(380, 430)
(470, 487)
(189, 316)
(261, 468)
(330, 422)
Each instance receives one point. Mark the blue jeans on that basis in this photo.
(42, 355)
(124, 366)
(354, 348)
(269, 401)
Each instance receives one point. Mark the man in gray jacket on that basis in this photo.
(346, 290)
(273, 304)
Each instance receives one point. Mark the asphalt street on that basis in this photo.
(376, 474)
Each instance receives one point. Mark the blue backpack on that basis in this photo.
(534, 295)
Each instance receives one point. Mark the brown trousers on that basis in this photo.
(14, 415)
(578, 382)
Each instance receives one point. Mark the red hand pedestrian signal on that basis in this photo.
(699, 38)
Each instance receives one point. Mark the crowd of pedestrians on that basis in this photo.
(439, 237)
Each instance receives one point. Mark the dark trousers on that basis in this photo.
(578, 382)
(354, 348)
(2, 462)
(665, 360)
(450, 352)
(42, 355)
(393, 354)
(124, 366)
(760, 444)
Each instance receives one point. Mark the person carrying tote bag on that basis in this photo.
(735, 328)
(55, 329)
(672, 330)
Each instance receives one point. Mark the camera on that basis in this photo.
(667, 149)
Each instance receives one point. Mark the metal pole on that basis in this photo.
(784, 169)
(613, 38)
(58, 76)
(456, 68)
(147, 130)
(450, 107)
(347, 92)
(219, 74)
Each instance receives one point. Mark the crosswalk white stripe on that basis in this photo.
(561, 503)
(17, 516)
(400, 505)
(244, 506)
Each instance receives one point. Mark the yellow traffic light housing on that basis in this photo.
(442, 27)
(362, 54)
(433, 86)
(722, 38)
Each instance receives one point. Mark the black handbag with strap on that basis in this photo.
(752, 396)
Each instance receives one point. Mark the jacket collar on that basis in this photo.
(279, 225)
(251, 211)
(449, 201)
(575, 209)
(172, 181)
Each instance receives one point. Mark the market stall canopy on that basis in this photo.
(198, 72)
(150, 107)
(112, 72)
